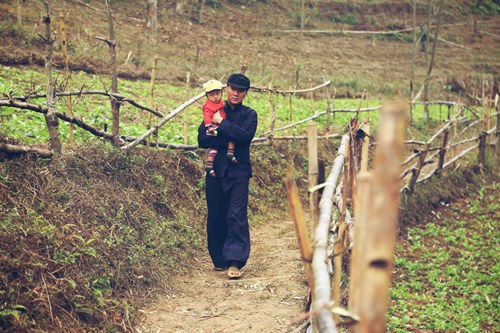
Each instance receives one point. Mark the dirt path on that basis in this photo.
(272, 291)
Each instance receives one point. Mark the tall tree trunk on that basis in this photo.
(115, 104)
(153, 18)
(427, 31)
(50, 117)
(430, 63)
(19, 12)
(67, 74)
(413, 57)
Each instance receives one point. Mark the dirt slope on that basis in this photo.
(271, 293)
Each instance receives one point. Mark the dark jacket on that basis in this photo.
(239, 126)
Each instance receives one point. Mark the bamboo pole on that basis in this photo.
(312, 97)
(291, 91)
(320, 269)
(358, 250)
(300, 224)
(381, 219)
(328, 111)
(365, 146)
(67, 75)
(322, 114)
(312, 149)
(186, 125)
(338, 248)
(272, 117)
(163, 121)
(151, 95)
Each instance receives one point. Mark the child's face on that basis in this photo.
(214, 96)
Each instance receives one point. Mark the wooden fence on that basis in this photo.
(364, 249)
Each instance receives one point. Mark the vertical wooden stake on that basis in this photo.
(442, 152)
(67, 75)
(312, 97)
(290, 117)
(328, 111)
(381, 218)
(481, 158)
(417, 169)
(151, 95)
(312, 149)
(497, 108)
(300, 224)
(365, 146)
(272, 116)
(186, 125)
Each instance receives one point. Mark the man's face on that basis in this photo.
(214, 95)
(235, 95)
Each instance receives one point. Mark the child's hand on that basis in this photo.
(217, 118)
(211, 130)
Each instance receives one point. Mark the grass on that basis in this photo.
(448, 272)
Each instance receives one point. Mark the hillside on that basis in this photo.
(107, 240)
(257, 33)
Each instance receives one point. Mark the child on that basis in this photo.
(213, 90)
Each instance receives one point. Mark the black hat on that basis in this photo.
(238, 81)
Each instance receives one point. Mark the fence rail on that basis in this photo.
(373, 196)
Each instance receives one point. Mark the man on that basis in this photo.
(227, 193)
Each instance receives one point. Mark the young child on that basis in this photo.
(214, 103)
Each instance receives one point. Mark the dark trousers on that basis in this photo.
(227, 222)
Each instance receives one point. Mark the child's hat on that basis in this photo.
(212, 85)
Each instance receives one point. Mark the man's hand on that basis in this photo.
(217, 118)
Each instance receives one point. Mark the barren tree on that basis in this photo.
(115, 104)
(152, 17)
(430, 61)
(50, 117)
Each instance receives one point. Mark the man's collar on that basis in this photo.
(236, 107)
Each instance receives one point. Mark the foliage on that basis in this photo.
(94, 233)
(348, 18)
(447, 271)
(485, 7)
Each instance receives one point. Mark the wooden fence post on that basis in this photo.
(416, 171)
(442, 152)
(186, 125)
(300, 224)
(151, 95)
(481, 158)
(312, 149)
(272, 116)
(328, 111)
(497, 107)
(381, 219)
(365, 145)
